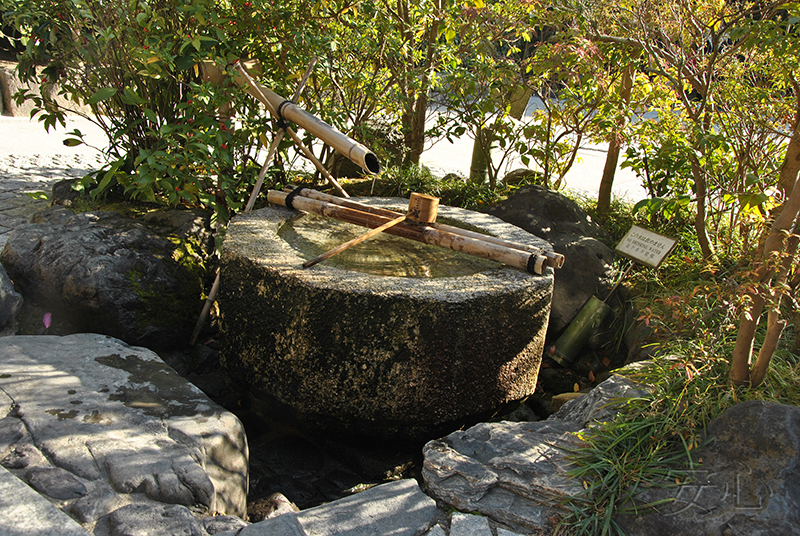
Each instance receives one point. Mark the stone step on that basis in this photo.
(23, 512)
(398, 508)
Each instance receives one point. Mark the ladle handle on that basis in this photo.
(338, 249)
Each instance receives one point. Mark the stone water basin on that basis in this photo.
(400, 345)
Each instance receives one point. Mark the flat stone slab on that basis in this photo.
(397, 508)
(96, 425)
(26, 513)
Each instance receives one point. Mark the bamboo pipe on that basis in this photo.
(338, 249)
(291, 112)
(283, 127)
(531, 262)
(555, 260)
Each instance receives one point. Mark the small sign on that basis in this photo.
(646, 247)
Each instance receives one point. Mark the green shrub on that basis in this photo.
(138, 66)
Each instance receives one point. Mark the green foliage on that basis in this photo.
(649, 443)
(452, 190)
(691, 308)
(171, 138)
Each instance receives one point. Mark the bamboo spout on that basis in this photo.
(286, 109)
(552, 259)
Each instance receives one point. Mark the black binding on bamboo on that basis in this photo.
(290, 197)
(282, 123)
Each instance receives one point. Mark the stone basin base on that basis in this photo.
(393, 357)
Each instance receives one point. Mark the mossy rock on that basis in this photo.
(140, 280)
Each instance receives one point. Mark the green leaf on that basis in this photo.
(72, 142)
(750, 179)
(150, 115)
(749, 201)
(101, 95)
(39, 196)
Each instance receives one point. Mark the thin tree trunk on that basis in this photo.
(775, 325)
(743, 350)
(614, 146)
(701, 190)
(479, 164)
(479, 170)
(791, 161)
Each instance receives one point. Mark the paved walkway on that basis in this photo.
(32, 160)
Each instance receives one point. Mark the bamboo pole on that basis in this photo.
(338, 249)
(257, 90)
(286, 109)
(524, 260)
(211, 71)
(555, 260)
(273, 148)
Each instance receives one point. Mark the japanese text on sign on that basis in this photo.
(645, 247)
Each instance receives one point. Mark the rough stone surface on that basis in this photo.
(115, 426)
(55, 482)
(147, 519)
(106, 273)
(746, 480)
(23, 512)
(375, 354)
(598, 405)
(469, 525)
(398, 508)
(10, 300)
(516, 473)
(587, 269)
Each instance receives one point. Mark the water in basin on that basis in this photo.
(387, 255)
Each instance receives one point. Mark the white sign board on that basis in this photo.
(645, 247)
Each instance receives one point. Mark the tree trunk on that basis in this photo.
(614, 146)
(479, 164)
(743, 350)
(701, 190)
(481, 148)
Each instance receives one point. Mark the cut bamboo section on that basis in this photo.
(533, 263)
(291, 112)
(552, 259)
(423, 208)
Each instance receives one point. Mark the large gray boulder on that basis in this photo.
(94, 425)
(745, 481)
(587, 270)
(10, 300)
(139, 280)
(516, 473)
